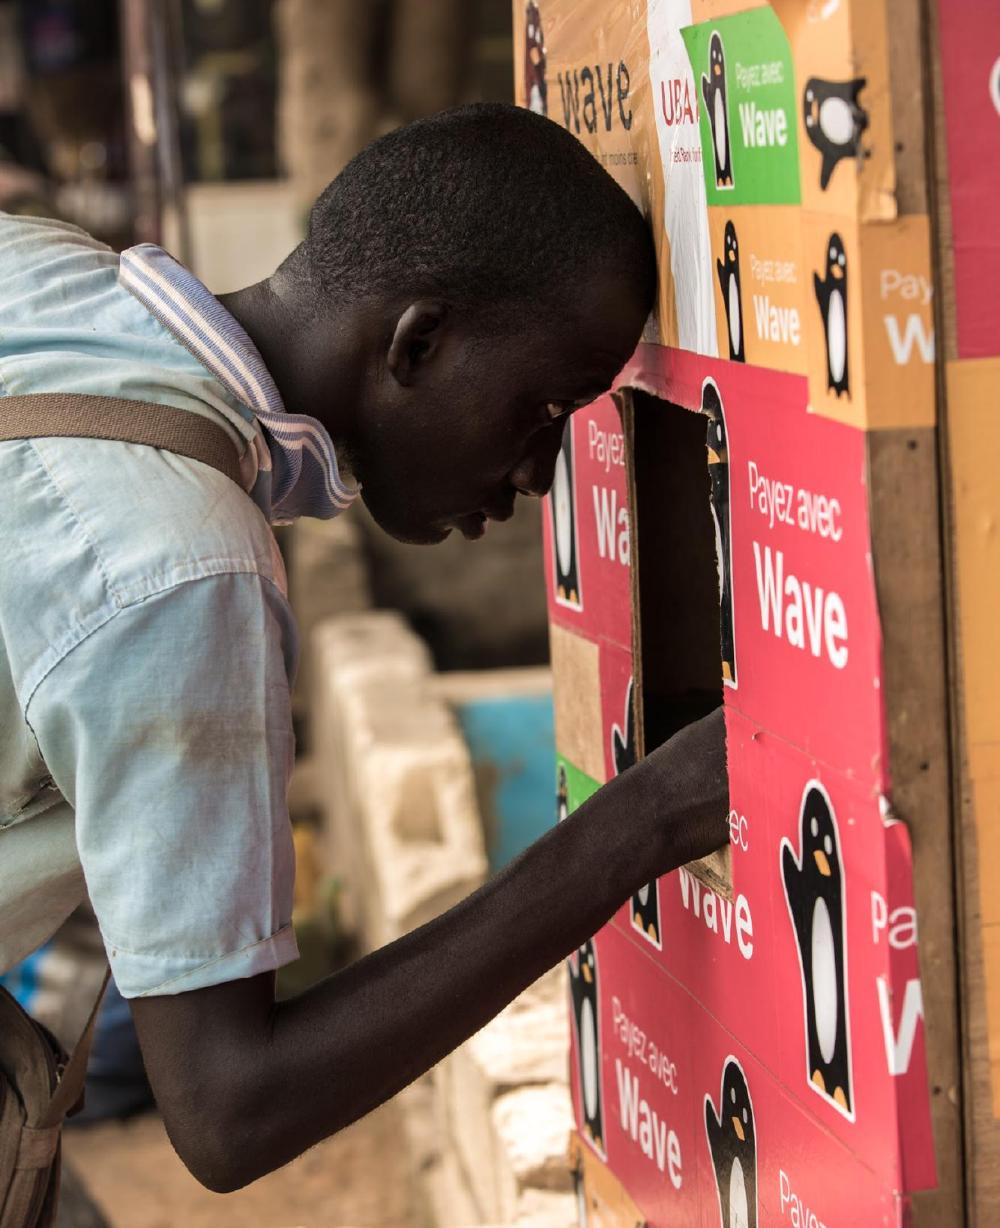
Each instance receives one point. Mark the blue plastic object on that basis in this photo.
(512, 745)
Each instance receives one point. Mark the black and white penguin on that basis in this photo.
(564, 537)
(536, 90)
(562, 794)
(834, 120)
(732, 1143)
(717, 443)
(623, 737)
(586, 1018)
(831, 294)
(713, 90)
(646, 913)
(814, 892)
(732, 292)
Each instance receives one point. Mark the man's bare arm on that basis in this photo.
(245, 1083)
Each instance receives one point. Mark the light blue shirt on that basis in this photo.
(146, 643)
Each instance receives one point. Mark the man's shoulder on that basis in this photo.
(141, 519)
(156, 519)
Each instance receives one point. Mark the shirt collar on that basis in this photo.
(303, 476)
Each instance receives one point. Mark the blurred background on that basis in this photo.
(423, 707)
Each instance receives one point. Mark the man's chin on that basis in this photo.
(411, 536)
(409, 532)
(417, 535)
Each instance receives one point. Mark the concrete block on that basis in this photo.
(543, 1209)
(525, 1046)
(449, 1200)
(531, 1128)
(577, 701)
(398, 792)
(327, 578)
(528, 1042)
(462, 686)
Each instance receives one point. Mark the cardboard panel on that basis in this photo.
(635, 1098)
(843, 107)
(850, 1045)
(584, 66)
(663, 1085)
(760, 286)
(576, 697)
(785, 1169)
(804, 602)
(713, 945)
(869, 320)
(974, 449)
(897, 304)
(795, 314)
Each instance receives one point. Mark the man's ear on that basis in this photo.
(416, 339)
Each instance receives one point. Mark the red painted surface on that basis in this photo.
(970, 76)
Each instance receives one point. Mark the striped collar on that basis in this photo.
(297, 473)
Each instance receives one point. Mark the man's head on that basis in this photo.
(487, 277)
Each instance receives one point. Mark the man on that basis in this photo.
(465, 284)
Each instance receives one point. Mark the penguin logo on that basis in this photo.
(831, 294)
(814, 893)
(718, 467)
(583, 986)
(562, 795)
(564, 526)
(535, 88)
(622, 737)
(732, 293)
(732, 1143)
(834, 120)
(713, 90)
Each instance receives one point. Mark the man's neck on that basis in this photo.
(315, 367)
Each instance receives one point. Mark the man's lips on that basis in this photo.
(473, 525)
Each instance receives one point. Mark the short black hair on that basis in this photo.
(487, 206)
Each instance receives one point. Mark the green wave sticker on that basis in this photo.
(746, 109)
(573, 787)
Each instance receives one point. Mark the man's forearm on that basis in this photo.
(330, 1055)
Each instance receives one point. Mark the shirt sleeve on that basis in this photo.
(169, 731)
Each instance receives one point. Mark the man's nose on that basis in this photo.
(535, 471)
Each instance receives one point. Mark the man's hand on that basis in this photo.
(246, 1083)
(688, 775)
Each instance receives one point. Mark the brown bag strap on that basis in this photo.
(82, 416)
(70, 1086)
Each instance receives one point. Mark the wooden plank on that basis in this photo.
(906, 553)
(981, 1127)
